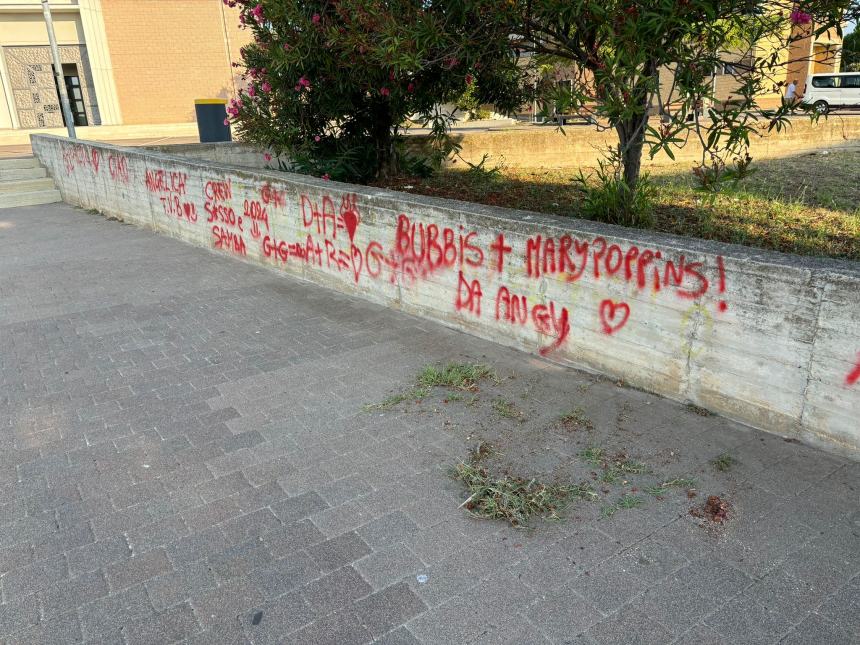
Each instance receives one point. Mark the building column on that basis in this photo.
(8, 113)
(100, 62)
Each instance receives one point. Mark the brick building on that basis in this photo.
(124, 61)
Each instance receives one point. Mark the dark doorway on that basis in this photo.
(75, 94)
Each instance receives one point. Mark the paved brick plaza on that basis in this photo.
(185, 457)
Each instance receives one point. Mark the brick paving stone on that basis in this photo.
(388, 565)
(168, 473)
(270, 622)
(386, 609)
(105, 619)
(285, 574)
(178, 585)
(339, 551)
(287, 539)
(65, 596)
(34, 577)
(169, 626)
(17, 615)
(61, 630)
(137, 569)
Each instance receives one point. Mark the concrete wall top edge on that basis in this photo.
(510, 219)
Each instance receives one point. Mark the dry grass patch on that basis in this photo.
(808, 204)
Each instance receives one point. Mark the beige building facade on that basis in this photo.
(125, 62)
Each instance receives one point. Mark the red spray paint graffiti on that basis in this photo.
(420, 250)
(259, 217)
(170, 188)
(118, 168)
(854, 375)
(78, 155)
(570, 257)
(469, 296)
(613, 316)
(227, 227)
(515, 310)
(273, 197)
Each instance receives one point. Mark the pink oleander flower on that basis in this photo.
(410, 87)
(257, 12)
(227, 122)
(326, 177)
(267, 157)
(384, 91)
(286, 47)
(252, 91)
(315, 19)
(266, 87)
(317, 138)
(303, 82)
(798, 17)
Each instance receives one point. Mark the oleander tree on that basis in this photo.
(851, 52)
(332, 83)
(646, 69)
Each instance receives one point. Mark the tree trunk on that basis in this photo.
(631, 138)
(386, 159)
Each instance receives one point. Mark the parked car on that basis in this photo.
(825, 92)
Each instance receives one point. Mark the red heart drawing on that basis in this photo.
(349, 214)
(350, 221)
(608, 311)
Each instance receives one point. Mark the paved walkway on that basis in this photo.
(185, 457)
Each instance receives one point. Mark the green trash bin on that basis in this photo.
(211, 120)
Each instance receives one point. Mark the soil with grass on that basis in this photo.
(807, 205)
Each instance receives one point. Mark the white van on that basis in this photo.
(828, 91)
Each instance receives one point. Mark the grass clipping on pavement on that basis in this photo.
(513, 499)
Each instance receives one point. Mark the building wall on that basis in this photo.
(167, 54)
(34, 90)
(768, 339)
(22, 35)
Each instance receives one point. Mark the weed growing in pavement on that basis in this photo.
(506, 409)
(724, 462)
(577, 418)
(608, 510)
(629, 501)
(630, 466)
(464, 376)
(593, 455)
(625, 502)
(413, 394)
(584, 492)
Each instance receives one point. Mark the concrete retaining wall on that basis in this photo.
(768, 339)
(235, 153)
(545, 146)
